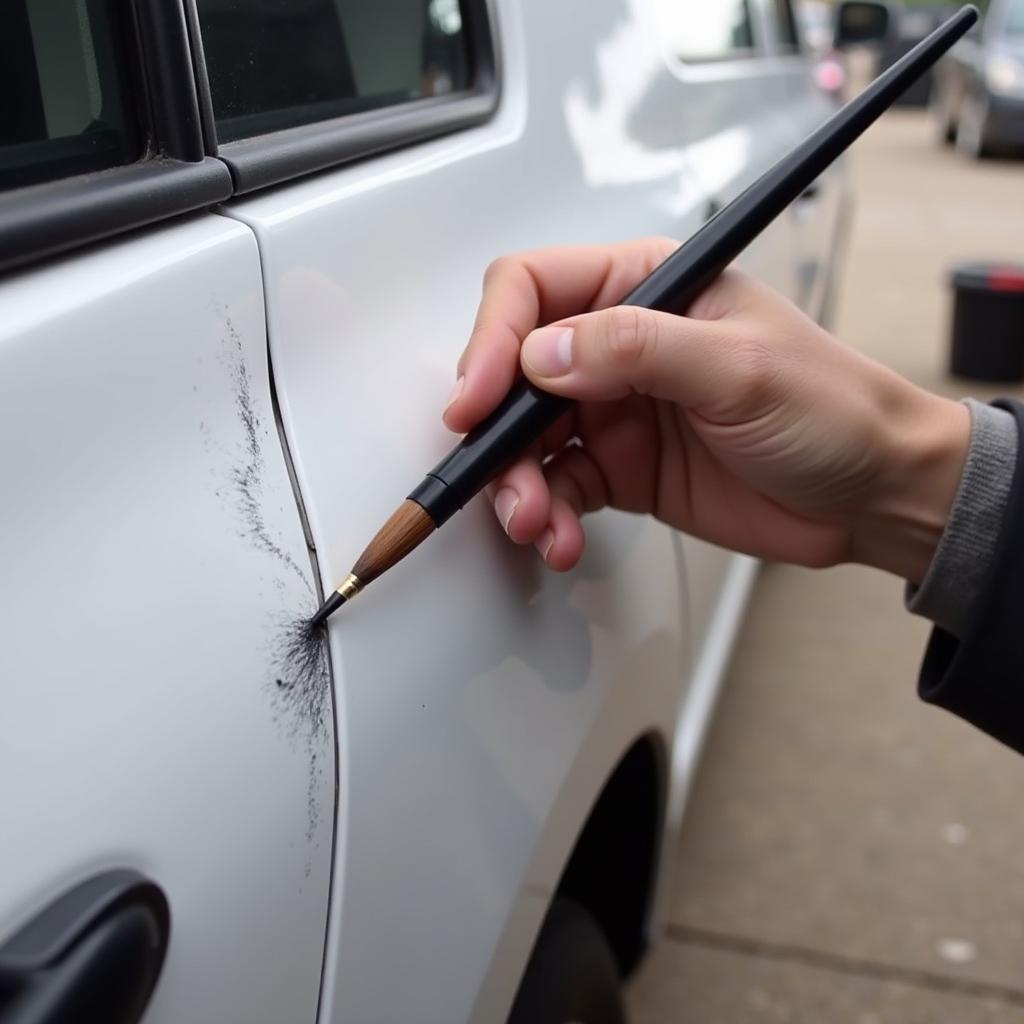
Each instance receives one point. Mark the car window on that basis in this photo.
(65, 64)
(275, 64)
(1015, 19)
(698, 30)
(784, 24)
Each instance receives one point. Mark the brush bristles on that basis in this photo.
(331, 605)
(407, 528)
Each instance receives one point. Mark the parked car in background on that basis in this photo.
(978, 100)
(909, 23)
(816, 19)
(241, 246)
(817, 30)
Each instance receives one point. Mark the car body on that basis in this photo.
(978, 100)
(817, 33)
(909, 23)
(817, 24)
(227, 330)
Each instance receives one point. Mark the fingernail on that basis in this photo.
(544, 543)
(506, 501)
(548, 351)
(456, 391)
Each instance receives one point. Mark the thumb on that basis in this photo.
(613, 352)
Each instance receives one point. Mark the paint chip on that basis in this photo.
(956, 951)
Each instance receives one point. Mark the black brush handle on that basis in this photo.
(526, 412)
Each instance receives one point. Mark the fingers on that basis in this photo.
(709, 366)
(537, 287)
(543, 506)
(577, 486)
(521, 500)
(561, 544)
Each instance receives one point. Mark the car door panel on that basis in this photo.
(476, 691)
(469, 656)
(159, 569)
(814, 218)
(152, 552)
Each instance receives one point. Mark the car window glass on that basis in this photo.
(275, 64)
(1015, 19)
(61, 71)
(701, 30)
(785, 24)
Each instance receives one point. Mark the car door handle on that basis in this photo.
(93, 954)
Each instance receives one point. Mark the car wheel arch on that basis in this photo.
(612, 869)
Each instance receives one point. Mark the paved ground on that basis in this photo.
(851, 854)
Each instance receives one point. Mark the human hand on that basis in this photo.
(743, 423)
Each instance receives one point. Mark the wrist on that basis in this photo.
(925, 438)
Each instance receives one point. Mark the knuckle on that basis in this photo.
(756, 364)
(630, 335)
(497, 268)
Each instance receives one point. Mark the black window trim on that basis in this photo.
(781, 48)
(185, 170)
(175, 176)
(279, 156)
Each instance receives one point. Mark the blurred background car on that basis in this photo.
(817, 32)
(978, 100)
(817, 24)
(909, 23)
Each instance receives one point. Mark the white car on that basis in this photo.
(241, 245)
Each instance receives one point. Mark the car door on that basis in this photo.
(744, 97)
(476, 692)
(153, 558)
(819, 217)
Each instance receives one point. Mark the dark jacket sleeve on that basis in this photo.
(980, 677)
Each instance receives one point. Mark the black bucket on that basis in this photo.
(988, 322)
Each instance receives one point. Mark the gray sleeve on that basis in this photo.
(967, 545)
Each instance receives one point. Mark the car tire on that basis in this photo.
(970, 129)
(572, 977)
(941, 110)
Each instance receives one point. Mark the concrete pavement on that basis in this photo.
(851, 854)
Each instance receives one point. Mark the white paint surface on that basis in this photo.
(482, 702)
(502, 695)
(138, 725)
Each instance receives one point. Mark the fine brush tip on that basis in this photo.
(350, 586)
(329, 607)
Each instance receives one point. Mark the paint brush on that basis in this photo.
(526, 412)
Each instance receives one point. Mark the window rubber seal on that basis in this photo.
(183, 168)
(175, 174)
(274, 157)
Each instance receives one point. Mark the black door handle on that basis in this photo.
(92, 955)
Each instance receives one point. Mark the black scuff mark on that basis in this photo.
(301, 697)
(299, 678)
(249, 473)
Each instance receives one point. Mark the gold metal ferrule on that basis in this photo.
(350, 586)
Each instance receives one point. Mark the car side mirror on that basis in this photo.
(859, 23)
